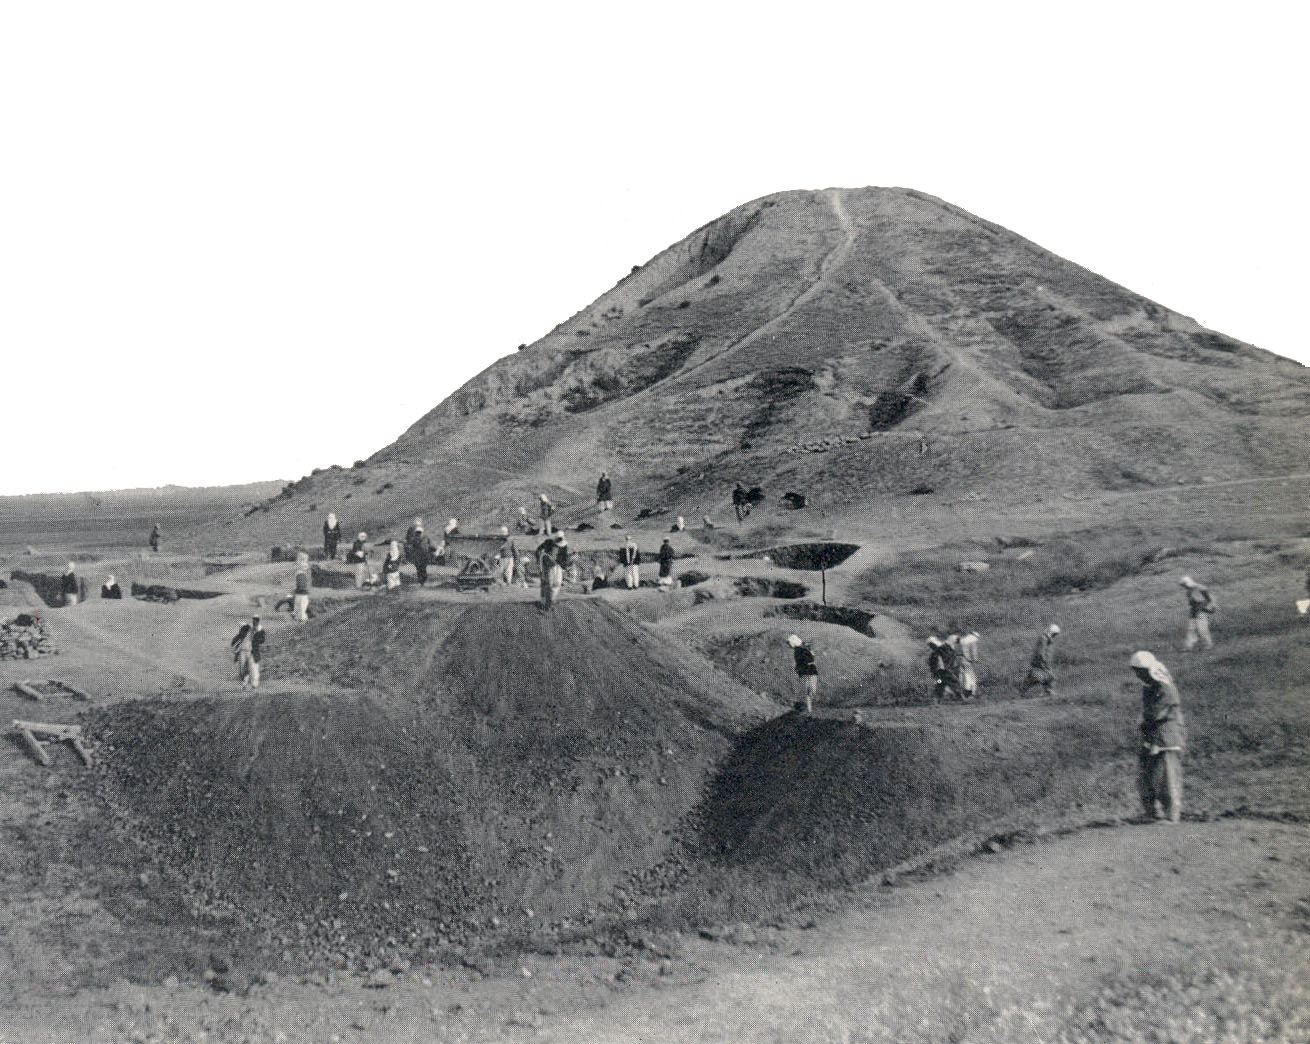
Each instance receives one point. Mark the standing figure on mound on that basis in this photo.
(391, 566)
(69, 586)
(546, 566)
(807, 671)
(507, 557)
(331, 537)
(630, 559)
(1041, 668)
(604, 494)
(1160, 757)
(1200, 606)
(666, 565)
(247, 649)
(547, 509)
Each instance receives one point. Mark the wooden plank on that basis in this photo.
(42, 728)
(37, 750)
(82, 752)
(27, 690)
(74, 690)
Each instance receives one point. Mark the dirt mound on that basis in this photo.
(507, 769)
(837, 801)
(20, 594)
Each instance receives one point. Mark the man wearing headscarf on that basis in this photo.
(666, 556)
(1163, 736)
(563, 562)
(547, 510)
(69, 585)
(630, 559)
(359, 556)
(391, 566)
(110, 588)
(807, 671)
(331, 537)
(1041, 668)
(1199, 607)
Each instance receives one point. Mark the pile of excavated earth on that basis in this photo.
(455, 771)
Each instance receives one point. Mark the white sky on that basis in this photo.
(241, 240)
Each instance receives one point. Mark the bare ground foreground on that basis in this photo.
(920, 872)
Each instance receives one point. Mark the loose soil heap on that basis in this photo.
(507, 768)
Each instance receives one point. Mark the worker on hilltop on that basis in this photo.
(507, 557)
(247, 648)
(1163, 735)
(110, 588)
(69, 586)
(604, 494)
(331, 537)
(630, 559)
(156, 535)
(1200, 606)
(741, 503)
(807, 671)
(547, 509)
(1041, 668)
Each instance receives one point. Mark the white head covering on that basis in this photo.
(1145, 661)
(504, 530)
(331, 520)
(794, 640)
(452, 524)
(1187, 581)
(109, 580)
(395, 549)
(302, 558)
(418, 523)
(934, 640)
(545, 498)
(1052, 630)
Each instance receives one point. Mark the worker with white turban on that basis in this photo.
(1160, 757)
(1041, 668)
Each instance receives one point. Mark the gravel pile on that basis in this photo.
(24, 638)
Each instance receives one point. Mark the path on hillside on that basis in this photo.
(832, 261)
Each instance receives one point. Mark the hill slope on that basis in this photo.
(968, 357)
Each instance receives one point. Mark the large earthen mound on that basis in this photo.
(461, 767)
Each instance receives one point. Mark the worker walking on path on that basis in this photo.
(331, 537)
(806, 670)
(156, 535)
(1041, 668)
(1200, 606)
(507, 557)
(630, 559)
(247, 648)
(604, 494)
(1163, 736)
(942, 664)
